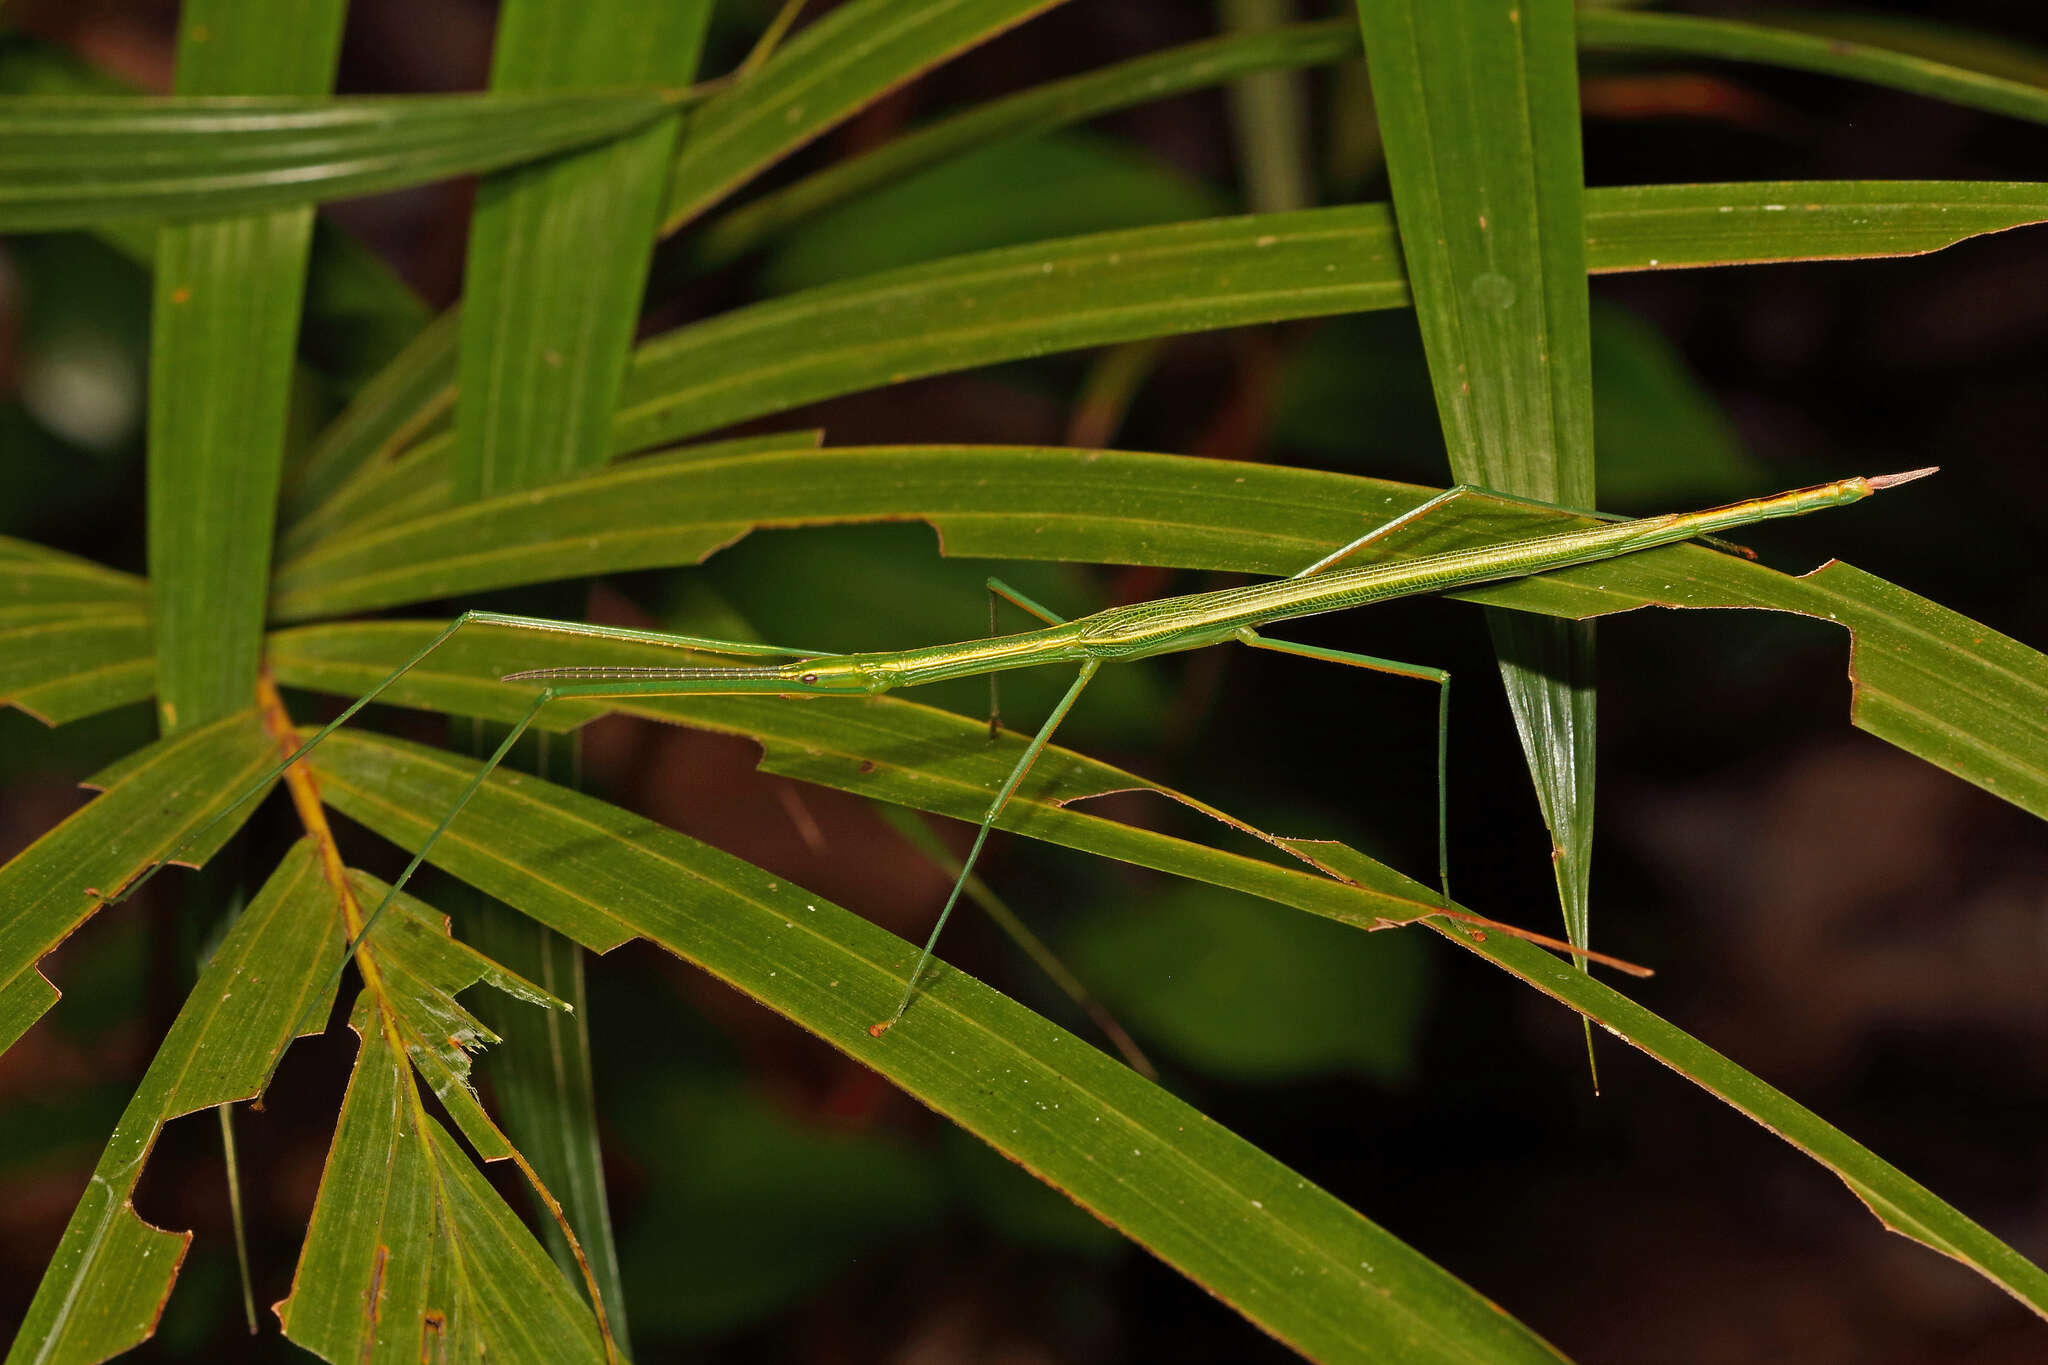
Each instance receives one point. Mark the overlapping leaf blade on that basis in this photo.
(76, 662)
(33, 575)
(75, 162)
(494, 1287)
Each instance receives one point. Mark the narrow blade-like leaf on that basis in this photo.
(152, 800)
(88, 161)
(79, 662)
(1043, 108)
(74, 636)
(1478, 111)
(224, 330)
(264, 985)
(838, 64)
(558, 257)
(416, 388)
(1830, 53)
(1124, 286)
(1973, 75)
(558, 252)
(422, 484)
(411, 1254)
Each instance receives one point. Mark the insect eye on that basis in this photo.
(809, 678)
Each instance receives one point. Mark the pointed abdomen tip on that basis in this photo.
(1894, 480)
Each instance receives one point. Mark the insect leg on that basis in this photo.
(1423, 672)
(998, 588)
(995, 808)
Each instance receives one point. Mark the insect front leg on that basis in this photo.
(997, 588)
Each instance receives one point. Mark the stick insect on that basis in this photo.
(1168, 625)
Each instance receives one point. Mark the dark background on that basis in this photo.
(1857, 928)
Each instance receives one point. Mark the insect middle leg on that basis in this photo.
(995, 809)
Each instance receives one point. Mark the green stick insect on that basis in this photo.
(1139, 631)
